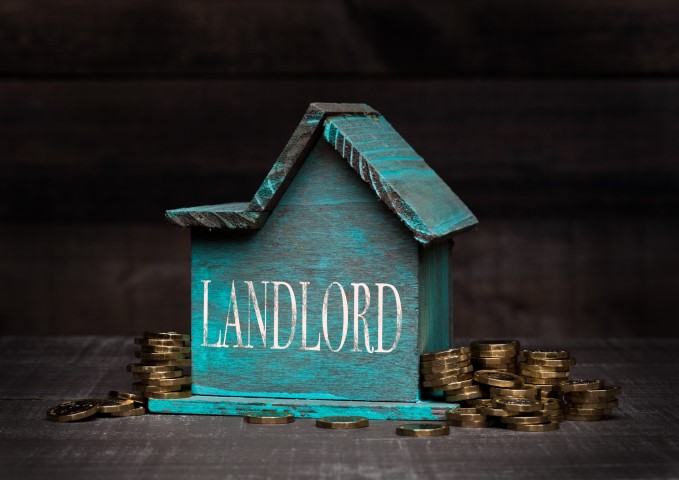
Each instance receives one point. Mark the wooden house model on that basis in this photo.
(319, 295)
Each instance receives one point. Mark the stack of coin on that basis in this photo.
(545, 369)
(466, 418)
(75, 410)
(525, 415)
(161, 373)
(589, 400)
(449, 371)
(495, 355)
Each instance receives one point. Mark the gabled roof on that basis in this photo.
(394, 171)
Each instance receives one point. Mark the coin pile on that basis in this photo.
(589, 400)
(164, 360)
(495, 355)
(75, 410)
(449, 372)
(545, 369)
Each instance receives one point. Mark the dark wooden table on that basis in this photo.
(640, 441)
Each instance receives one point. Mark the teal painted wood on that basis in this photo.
(436, 312)
(208, 405)
(325, 233)
(228, 215)
(399, 176)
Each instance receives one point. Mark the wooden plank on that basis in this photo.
(134, 149)
(375, 37)
(318, 349)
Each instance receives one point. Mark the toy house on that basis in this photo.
(319, 295)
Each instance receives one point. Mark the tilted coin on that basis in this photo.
(548, 362)
(519, 392)
(543, 427)
(494, 345)
(159, 342)
(451, 352)
(422, 430)
(139, 368)
(269, 418)
(158, 375)
(169, 395)
(133, 412)
(527, 419)
(168, 382)
(72, 411)
(546, 354)
(517, 404)
(608, 391)
(137, 397)
(453, 386)
(342, 423)
(168, 336)
(580, 385)
(498, 379)
(115, 405)
(468, 423)
(154, 349)
(142, 387)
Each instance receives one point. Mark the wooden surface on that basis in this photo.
(641, 441)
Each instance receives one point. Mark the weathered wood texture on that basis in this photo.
(203, 37)
(328, 227)
(639, 442)
(436, 297)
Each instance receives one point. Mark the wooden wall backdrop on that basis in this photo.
(557, 123)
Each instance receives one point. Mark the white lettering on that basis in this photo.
(345, 317)
(293, 320)
(380, 316)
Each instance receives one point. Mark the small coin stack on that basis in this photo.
(449, 371)
(545, 369)
(495, 355)
(589, 400)
(164, 361)
(75, 410)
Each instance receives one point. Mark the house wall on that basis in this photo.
(556, 122)
(331, 232)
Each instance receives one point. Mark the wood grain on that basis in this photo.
(77, 38)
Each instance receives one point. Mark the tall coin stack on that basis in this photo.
(495, 355)
(545, 369)
(589, 400)
(165, 359)
(449, 372)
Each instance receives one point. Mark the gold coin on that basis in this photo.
(447, 373)
(552, 404)
(467, 389)
(439, 382)
(520, 392)
(566, 362)
(543, 427)
(160, 356)
(115, 405)
(517, 404)
(542, 368)
(142, 387)
(608, 404)
(72, 411)
(126, 395)
(478, 402)
(454, 362)
(607, 392)
(269, 418)
(158, 375)
(544, 374)
(502, 355)
(580, 385)
(133, 412)
(451, 352)
(498, 379)
(342, 423)
(546, 354)
(159, 342)
(584, 418)
(452, 386)
(139, 368)
(588, 411)
(542, 381)
(467, 414)
(422, 430)
(167, 336)
(464, 396)
(167, 382)
(495, 345)
(493, 362)
(444, 368)
(527, 418)
(491, 411)
(154, 349)
(185, 362)
(468, 424)
(169, 395)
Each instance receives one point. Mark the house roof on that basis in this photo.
(371, 146)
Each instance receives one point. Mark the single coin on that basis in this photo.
(439, 382)
(269, 418)
(588, 411)
(502, 355)
(142, 387)
(491, 411)
(503, 362)
(451, 362)
(159, 342)
(544, 374)
(517, 392)
(584, 418)
(72, 411)
(451, 352)
(186, 362)
(494, 345)
(452, 386)
(458, 397)
(160, 356)
(342, 423)
(445, 368)
(468, 423)
(548, 362)
(133, 412)
(498, 379)
(542, 368)
(543, 427)
(447, 373)
(580, 385)
(168, 382)
(136, 397)
(464, 414)
(552, 404)
(168, 336)
(608, 391)
(115, 405)
(140, 368)
(169, 395)
(158, 375)
(468, 389)
(517, 404)
(478, 402)
(608, 404)
(422, 430)
(155, 349)
(541, 380)
(527, 418)
(546, 353)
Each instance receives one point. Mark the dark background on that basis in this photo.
(556, 122)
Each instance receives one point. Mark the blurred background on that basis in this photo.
(556, 122)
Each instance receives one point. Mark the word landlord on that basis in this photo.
(233, 319)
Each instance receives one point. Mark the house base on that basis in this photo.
(215, 405)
